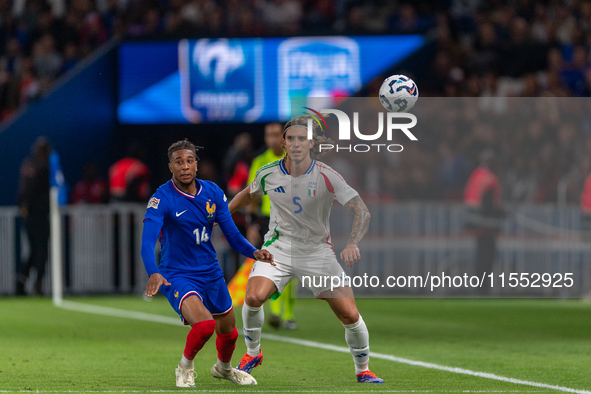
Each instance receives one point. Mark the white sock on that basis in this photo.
(224, 365)
(357, 338)
(252, 320)
(186, 363)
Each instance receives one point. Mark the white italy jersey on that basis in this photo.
(300, 207)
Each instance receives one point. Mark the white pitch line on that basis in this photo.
(486, 375)
(268, 391)
(106, 311)
(101, 310)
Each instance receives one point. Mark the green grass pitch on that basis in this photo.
(546, 341)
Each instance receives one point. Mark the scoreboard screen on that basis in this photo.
(245, 79)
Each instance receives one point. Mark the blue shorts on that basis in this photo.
(213, 293)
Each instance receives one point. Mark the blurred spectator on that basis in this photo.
(441, 71)
(531, 86)
(573, 74)
(46, 59)
(29, 87)
(208, 172)
(317, 16)
(281, 16)
(129, 178)
(491, 98)
(548, 183)
(11, 61)
(482, 196)
(522, 55)
(452, 172)
(237, 163)
(486, 56)
(521, 180)
(149, 25)
(70, 57)
(33, 202)
(407, 21)
(586, 203)
(92, 32)
(216, 25)
(246, 24)
(565, 22)
(91, 189)
(357, 21)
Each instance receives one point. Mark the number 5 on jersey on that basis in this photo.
(204, 236)
(295, 201)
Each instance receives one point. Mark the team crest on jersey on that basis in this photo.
(210, 209)
(153, 203)
(176, 295)
(312, 187)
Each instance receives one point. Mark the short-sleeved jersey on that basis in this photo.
(187, 223)
(300, 207)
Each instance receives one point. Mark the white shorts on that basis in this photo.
(315, 271)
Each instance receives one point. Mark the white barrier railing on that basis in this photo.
(102, 244)
(8, 249)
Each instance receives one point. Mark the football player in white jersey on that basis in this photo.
(302, 190)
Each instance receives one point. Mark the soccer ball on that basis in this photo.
(398, 93)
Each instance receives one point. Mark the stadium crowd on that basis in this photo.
(495, 51)
(483, 49)
(542, 145)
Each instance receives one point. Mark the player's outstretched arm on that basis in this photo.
(241, 200)
(233, 236)
(350, 255)
(150, 234)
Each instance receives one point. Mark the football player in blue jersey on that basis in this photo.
(182, 213)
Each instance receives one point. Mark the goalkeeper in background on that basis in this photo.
(282, 307)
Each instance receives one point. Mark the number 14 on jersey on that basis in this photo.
(204, 236)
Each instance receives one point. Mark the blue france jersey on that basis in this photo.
(187, 223)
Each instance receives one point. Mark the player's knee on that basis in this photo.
(349, 316)
(254, 300)
(206, 328)
(231, 336)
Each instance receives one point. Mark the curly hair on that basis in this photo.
(317, 137)
(183, 144)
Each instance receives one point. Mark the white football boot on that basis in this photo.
(185, 377)
(233, 375)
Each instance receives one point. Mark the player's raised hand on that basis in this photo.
(156, 280)
(350, 255)
(264, 256)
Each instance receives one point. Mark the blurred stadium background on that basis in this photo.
(105, 80)
(112, 83)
